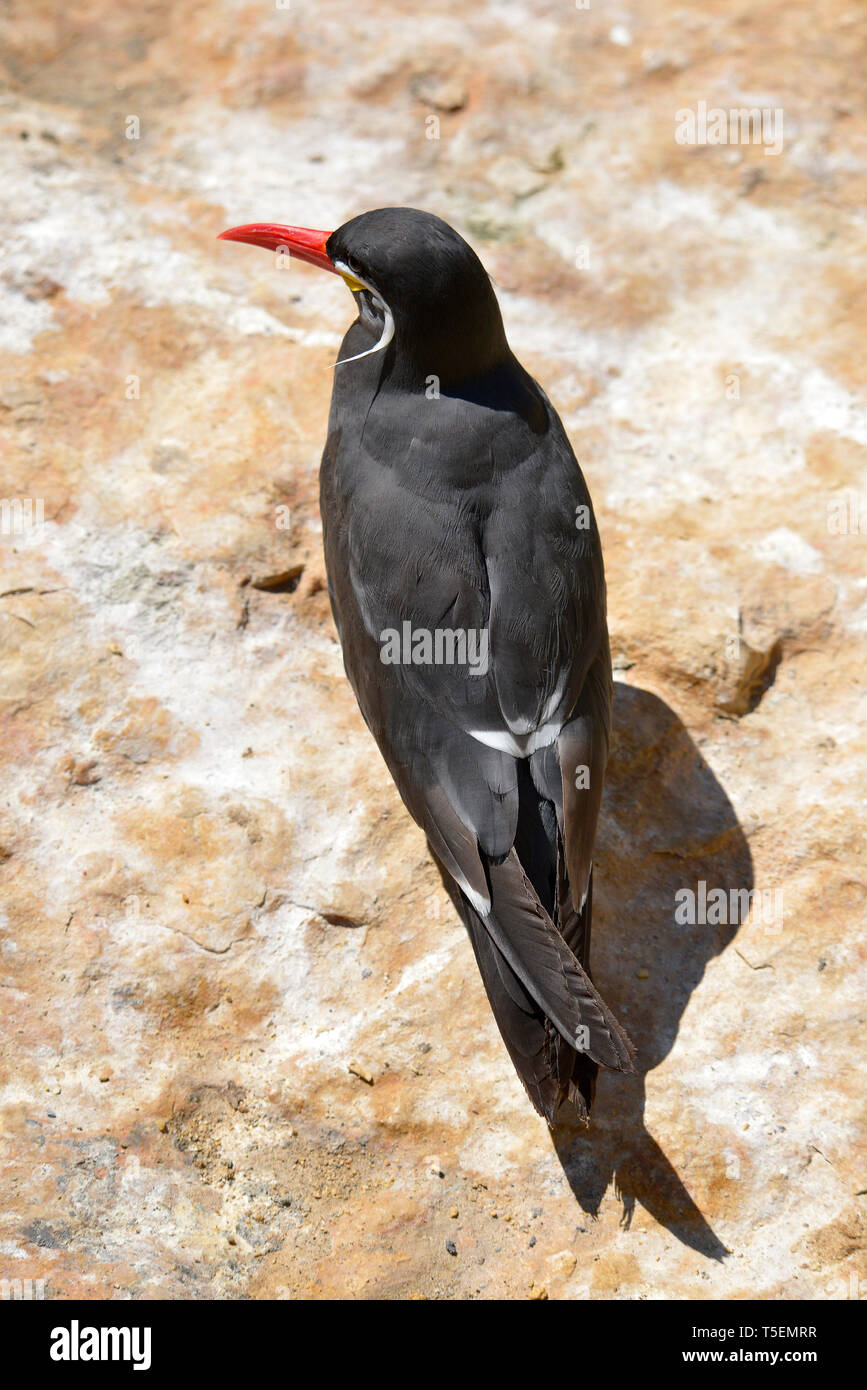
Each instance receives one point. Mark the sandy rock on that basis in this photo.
(210, 890)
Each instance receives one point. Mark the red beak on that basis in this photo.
(303, 242)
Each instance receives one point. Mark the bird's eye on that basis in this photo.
(353, 265)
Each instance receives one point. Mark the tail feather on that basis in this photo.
(552, 1072)
(538, 954)
(533, 953)
(551, 1069)
(529, 1039)
(574, 927)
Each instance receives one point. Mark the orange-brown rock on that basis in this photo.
(217, 919)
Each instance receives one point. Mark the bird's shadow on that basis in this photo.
(666, 825)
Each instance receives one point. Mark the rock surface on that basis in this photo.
(246, 1051)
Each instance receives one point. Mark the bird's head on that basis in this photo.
(421, 290)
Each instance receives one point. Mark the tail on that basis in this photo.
(532, 951)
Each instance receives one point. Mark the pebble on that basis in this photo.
(451, 1247)
(444, 93)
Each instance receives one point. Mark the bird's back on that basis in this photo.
(467, 511)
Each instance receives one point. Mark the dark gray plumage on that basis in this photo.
(451, 498)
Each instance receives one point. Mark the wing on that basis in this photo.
(457, 516)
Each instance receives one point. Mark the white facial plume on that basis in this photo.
(387, 334)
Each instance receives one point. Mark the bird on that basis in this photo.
(466, 580)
